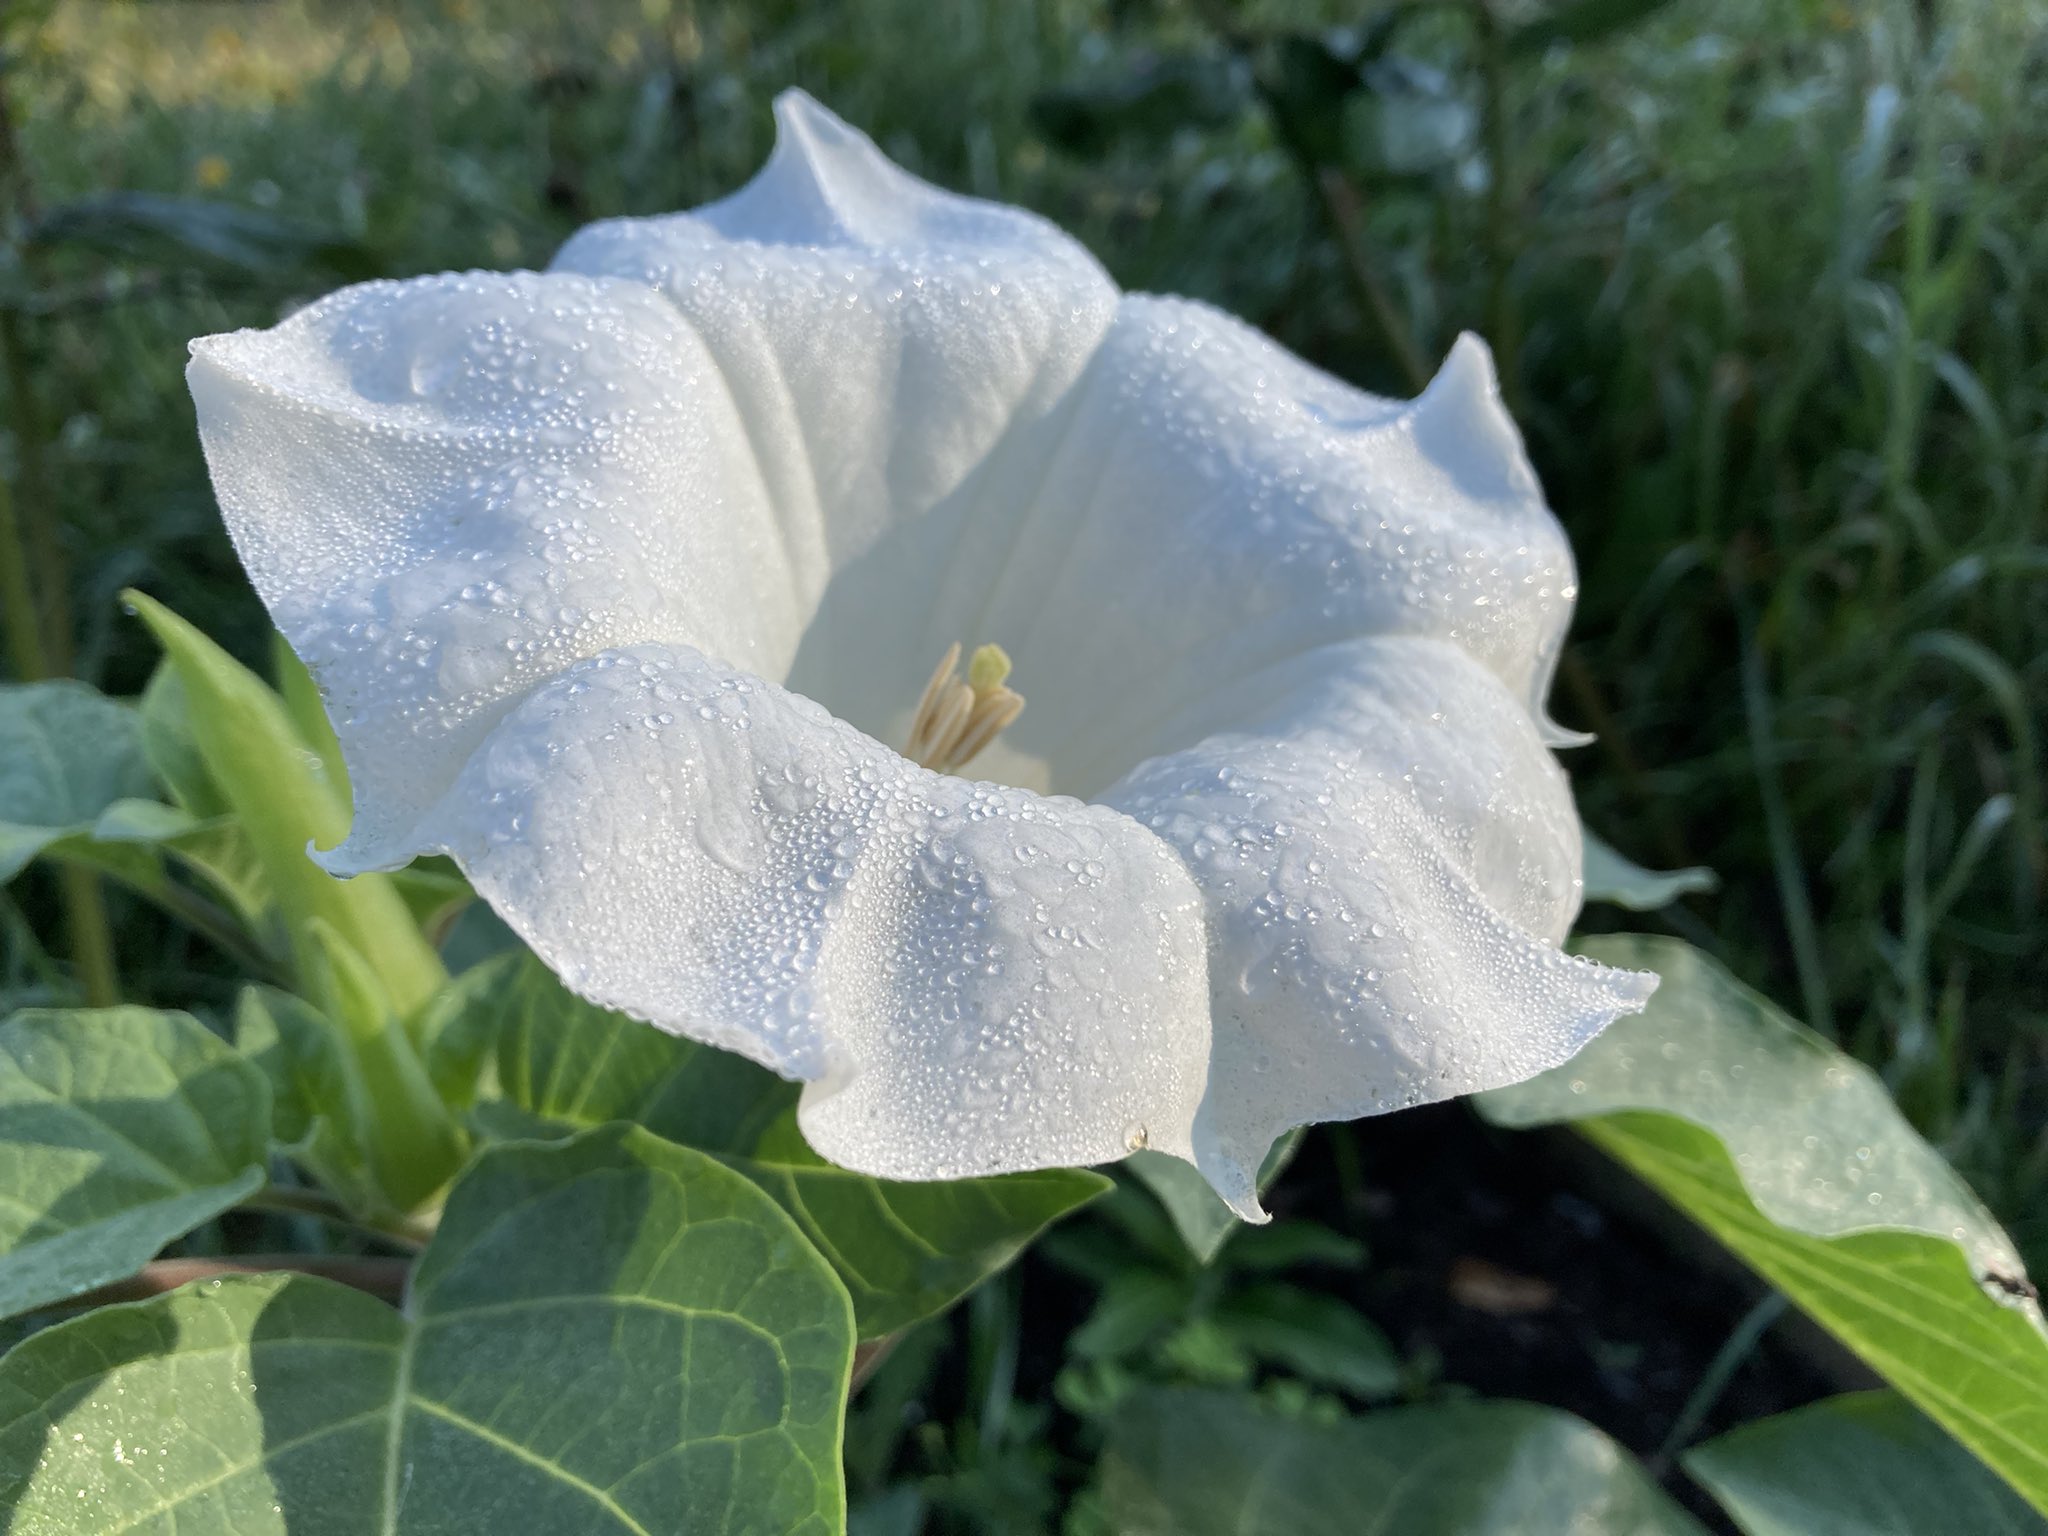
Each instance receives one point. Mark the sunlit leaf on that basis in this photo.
(1795, 1157)
(67, 753)
(904, 1250)
(280, 794)
(120, 1129)
(611, 1334)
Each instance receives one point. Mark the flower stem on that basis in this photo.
(411, 1231)
(1347, 218)
(383, 1278)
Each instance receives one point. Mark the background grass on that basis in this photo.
(1769, 285)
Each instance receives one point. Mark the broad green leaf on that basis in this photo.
(1866, 1464)
(130, 843)
(907, 1251)
(1312, 1336)
(1188, 1463)
(607, 1335)
(120, 1129)
(1795, 1157)
(279, 792)
(1611, 876)
(904, 1250)
(563, 1060)
(457, 1032)
(67, 752)
(1204, 1222)
(165, 712)
(1906, 1302)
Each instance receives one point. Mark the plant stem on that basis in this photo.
(1347, 218)
(92, 938)
(33, 516)
(1502, 325)
(213, 923)
(17, 594)
(407, 1230)
(1728, 1359)
(32, 521)
(383, 1278)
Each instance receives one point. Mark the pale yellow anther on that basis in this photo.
(956, 720)
(987, 668)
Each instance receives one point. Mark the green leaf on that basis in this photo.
(905, 1251)
(1865, 1464)
(1290, 1244)
(67, 753)
(1612, 877)
(610, 1334)
(1795, 1158)
(1189, 1463)
(165, 714)
(120, 1129)
(457, 1032)
(1312, 1336)
(313, 1118)
(281, 795)
(1134, 1307)
(1204, 1222)
(908, 1251)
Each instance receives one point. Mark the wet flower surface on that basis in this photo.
(624, 581)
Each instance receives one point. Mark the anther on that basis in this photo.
(956, 720)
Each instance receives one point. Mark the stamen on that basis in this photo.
(956, 720)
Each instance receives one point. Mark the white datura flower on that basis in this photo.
(623, 582)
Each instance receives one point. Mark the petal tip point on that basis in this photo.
(1462, 422)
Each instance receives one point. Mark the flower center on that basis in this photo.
(955, 720)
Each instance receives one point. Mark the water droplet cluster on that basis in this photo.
(1713, 1053)
(970, 977)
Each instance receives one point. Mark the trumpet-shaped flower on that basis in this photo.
(624, 583)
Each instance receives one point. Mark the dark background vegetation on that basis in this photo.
(1768, 283)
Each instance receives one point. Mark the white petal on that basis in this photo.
(447, 490)
(970, 978)
(1389, 855)
(1215, 506)
(899, 354)
(821, 430)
